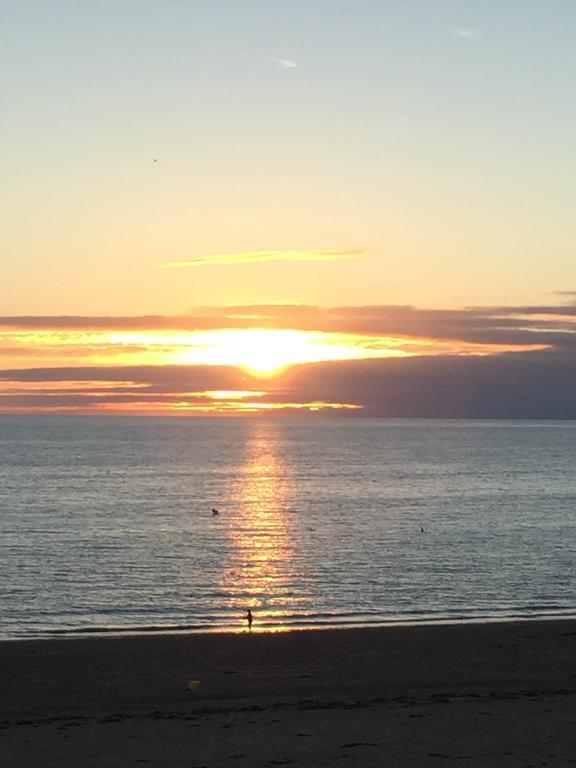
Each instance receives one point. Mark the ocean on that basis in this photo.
(106, 523)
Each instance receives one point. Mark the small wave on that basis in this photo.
(291, 622)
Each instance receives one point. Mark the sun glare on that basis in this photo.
(261, 352)
(265, 352)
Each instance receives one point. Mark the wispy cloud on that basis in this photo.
(466, 33)
(252, 257)
(288, 63)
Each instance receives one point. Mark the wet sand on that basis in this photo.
(475, 695)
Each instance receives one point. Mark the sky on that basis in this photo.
(249, 197)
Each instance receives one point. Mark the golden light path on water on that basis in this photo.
(259, 573)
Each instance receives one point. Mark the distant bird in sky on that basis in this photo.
(284, 62)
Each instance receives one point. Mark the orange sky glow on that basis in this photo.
(295, 207)
(260, 356)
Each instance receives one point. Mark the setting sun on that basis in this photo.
(266, 352)
(261, 352)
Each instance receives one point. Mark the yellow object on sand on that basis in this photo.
(193, 685)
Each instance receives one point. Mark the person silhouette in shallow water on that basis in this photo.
(249, 619)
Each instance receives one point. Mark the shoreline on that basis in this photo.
(275, 629)
(410, 692)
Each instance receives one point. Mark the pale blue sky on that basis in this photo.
(437, 134)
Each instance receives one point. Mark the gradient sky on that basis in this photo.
(438, 137)
(387, 179)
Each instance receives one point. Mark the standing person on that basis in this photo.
(249, 619)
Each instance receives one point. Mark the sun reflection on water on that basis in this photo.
(260, 570)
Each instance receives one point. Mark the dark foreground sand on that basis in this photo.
(484, 695)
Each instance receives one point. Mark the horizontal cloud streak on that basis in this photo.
(511, 324)
(285, 62)
(308, 333)
(148, 389)
(256, 257)
(466, 32)
(512, 386)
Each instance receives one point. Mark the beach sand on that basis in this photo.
(467, 695)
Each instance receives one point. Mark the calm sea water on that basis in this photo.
(106, 525)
